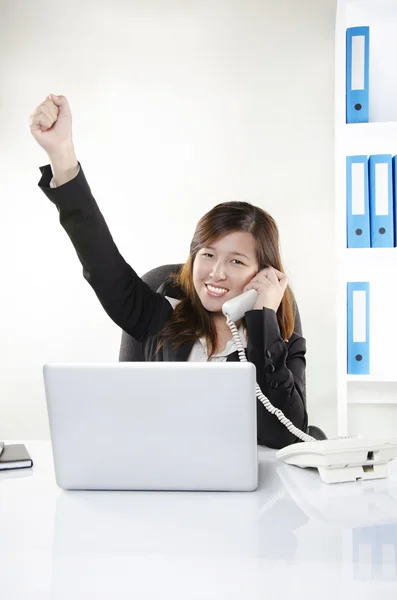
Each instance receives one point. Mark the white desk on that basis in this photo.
(293, 538)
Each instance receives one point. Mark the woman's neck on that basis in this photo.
(221, 324)
(223, 331)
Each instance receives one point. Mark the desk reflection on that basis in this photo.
(292, 530)
(15, 474)
(100, 536)
(242, 523)
(375, 553)
(366, 511)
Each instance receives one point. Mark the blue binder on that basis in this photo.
(395, 198)
(357, 202)
(357, 75)
(381, 200)
(358, 362)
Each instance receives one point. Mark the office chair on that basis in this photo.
(131, 350)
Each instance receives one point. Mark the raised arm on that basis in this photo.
(126, 298)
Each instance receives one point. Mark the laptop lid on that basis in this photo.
(153, 426)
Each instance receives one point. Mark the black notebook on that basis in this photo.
(15, 456)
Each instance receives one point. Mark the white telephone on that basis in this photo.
(338, 460)
(236, 308)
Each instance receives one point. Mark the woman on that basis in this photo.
(235, 248)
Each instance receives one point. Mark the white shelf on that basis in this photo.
(378, 266)
(370, 138)
(372, 390)
(379, 269)
(372, 379)
(370, 264)
(371, 254)
(372, 129)
(369, 401)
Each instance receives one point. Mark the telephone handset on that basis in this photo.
(236, 308)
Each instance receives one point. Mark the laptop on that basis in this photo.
(153, 426)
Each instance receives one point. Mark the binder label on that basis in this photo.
(358, 62)
(382, 189)
(359, 316)
(358, 191)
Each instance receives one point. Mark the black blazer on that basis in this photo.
(142, 313)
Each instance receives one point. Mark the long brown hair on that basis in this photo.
(190, 320)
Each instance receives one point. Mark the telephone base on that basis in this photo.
(356, 473)
(344, 459)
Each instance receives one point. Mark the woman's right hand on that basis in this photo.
(51, 125)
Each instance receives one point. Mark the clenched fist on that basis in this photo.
(51, 125)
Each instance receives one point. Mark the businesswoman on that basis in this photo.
(235, 248)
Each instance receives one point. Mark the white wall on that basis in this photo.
(177, 106)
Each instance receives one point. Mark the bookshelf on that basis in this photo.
(378, 266)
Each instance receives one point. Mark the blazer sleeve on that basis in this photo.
(128, 301)
(280, 372)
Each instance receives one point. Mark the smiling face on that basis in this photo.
(222, 270)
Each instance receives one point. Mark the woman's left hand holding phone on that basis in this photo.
(270, 285)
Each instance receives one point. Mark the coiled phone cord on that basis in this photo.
(261, 397)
